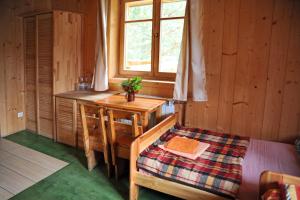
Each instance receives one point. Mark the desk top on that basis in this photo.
(140, 104)
(90, 96)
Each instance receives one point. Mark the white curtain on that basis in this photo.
(190, 77)
(100, 80)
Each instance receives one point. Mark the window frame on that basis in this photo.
(154, 74)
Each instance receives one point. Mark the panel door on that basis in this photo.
(30, 73)
(45, 74)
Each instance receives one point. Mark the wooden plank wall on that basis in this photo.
(11, 52)
(11, 69)
(253, 69)
(253, 65)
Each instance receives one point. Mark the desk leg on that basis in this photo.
(145, 121)
(158, 115)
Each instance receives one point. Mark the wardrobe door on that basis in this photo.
(30, 72)
(45, 74)
(66, 121)
(67, 50)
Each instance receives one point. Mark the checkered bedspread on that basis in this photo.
(217, 170)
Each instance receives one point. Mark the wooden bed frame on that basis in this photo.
(267, 178)
(139, 179)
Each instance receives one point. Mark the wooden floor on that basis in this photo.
(21, 167)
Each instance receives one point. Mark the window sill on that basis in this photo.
(119, 80)
(150, 87)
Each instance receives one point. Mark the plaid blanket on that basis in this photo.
(218, 170)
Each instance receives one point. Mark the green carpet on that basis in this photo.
(74, 182)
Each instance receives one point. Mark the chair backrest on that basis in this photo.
(93, 119)
(124, 122)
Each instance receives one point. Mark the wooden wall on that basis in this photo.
(11, 52)
(252, 55)
(253, 69)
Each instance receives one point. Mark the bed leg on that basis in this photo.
(134, 188)
(134, 191)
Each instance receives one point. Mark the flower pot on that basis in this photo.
(130, 96)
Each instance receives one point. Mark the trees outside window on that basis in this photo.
(151, 36)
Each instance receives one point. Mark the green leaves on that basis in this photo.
(132, 84)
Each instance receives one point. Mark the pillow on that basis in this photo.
(290, 192)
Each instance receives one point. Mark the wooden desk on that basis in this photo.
(144, 106)
(68, 125)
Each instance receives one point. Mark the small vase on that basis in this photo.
(130, 96)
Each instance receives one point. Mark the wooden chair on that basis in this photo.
(88, 145)
(123, 127)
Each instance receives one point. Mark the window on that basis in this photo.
(151, 36)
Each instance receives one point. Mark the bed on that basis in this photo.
(265, 155)
(260, 156)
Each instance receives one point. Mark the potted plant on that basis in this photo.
(132, 86)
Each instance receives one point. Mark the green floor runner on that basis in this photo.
(74, 182)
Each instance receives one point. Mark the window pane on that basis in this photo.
(138, 40)
(138, 10)
(173, 8)
(170, 44)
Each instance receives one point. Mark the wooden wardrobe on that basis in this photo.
(53, 62)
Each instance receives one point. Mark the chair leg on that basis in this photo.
(114, 160)
(107, 159)
(91, 160)
(108, 170)
(113, 155)
(116, 172)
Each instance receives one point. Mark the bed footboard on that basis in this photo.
(269, 177)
